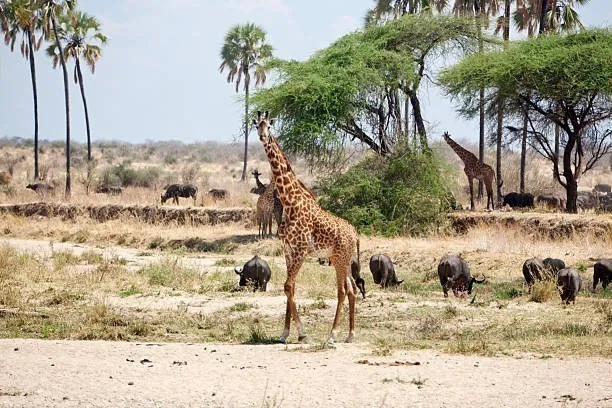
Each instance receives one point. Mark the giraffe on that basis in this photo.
(474, 169)
(265, 210)
(277, 211)
(309, 230)
(261, 187)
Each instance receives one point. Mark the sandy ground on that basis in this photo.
(36, 373)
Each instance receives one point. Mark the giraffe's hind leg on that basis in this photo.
(342, 264)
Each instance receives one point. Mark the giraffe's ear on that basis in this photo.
(266, 115)
(271, 121)
(258, 116)
(254, 122)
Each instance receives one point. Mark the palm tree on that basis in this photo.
(51, 11)
(543, 17)
(23, 17)
(244, 51)
(79, 33)
(481, 10)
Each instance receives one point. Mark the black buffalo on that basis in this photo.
(533, 269)
(383, 271)
(454, 273)
(551, 202)
(553, 265)
(108, 189)
(355, 272)
(41, 187)
(519, 200)
(255, 272)
(602, 271)
(174, 191)
(570, 283)
(218, 194)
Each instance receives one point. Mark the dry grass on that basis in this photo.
(69, 296)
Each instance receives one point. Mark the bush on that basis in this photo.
(405, 194)
(126, 176)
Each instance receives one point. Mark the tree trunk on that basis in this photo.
(67, 102)
(571, 182)
(246, 130)
(35, 94)
(500, 124)
(543, 6)
(82, 87)
(571, 190)
(479, 9)
(523, 154)
(418, 120)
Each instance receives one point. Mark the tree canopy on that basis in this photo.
(349, 90)
(560, 79)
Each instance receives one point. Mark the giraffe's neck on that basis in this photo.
(465, 155)
(289, 188)
(259, 183)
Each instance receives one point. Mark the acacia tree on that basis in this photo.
(347, 91)
(560, 79)
(245, 51)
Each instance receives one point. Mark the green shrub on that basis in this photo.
(405, 194)
(123, 174)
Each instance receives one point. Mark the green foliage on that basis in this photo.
(405, 194)
(127, 176)
(570, 68)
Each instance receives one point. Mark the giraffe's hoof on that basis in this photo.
(303, 339)
(282, 340)
(349, 339)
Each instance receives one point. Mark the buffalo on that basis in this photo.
(602, 271)
(454, 273)
(533, 269)
(108, 189)
(570, 284)
(553, 265)
(218, 194)
(519, 200)
(255, 272)
(602, 188)
(551, 202)
(41, 187)
(383, 271)
(355, 272)
(175, 191)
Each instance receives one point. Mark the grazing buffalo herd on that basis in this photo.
(453, 272)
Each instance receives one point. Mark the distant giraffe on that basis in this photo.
(309, 230)
(261, 187)
(474, 169)
(277, 211)
(265, 210)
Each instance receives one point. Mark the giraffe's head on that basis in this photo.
(446, 136)
(263, 126)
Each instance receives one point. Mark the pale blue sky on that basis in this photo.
(159, 79)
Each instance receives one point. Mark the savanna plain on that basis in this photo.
(119, 310)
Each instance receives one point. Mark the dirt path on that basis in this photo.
(37, 373)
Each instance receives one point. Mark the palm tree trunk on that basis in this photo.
(500, 124)
(419, 122)
(35, 95)
(246, 131)
(67, 102)
(82, 87)
(479, 9)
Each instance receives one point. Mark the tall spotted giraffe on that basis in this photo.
(474, 169)
(309, 230)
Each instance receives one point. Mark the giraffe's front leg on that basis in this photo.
(294, 262)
